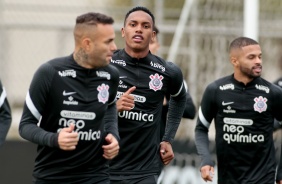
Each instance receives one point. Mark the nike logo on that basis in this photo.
(226, 103)
(68, 93)
(123, 77)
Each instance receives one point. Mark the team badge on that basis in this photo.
(156, 82)
(260, 104)
(103, 94)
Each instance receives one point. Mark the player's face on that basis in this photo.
(250, 61)
(102, 45)
(138, 31)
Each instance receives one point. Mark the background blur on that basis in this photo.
(193, 34)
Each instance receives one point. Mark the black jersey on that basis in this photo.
(5, 114)
(243, 116)
(139, 128)
(62, 92)
(278, 125)
(189, 111)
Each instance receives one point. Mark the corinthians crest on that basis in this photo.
(156, 82)
(103, 94)
(260, 104)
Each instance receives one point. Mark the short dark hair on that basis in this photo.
(93, 18)
(140, 8)
(242, 42)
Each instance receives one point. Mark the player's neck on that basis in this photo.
(242, 78)
(136, 53)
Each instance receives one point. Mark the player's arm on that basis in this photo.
(277, 106)
(279, 170)
(111, 117)
(35, 102)
(206, 112)
(177, 102)
(111, 120)
(190, 109)
(112, 138)
(175, 112)
(111, 149)
(5, 115)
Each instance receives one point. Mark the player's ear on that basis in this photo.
(233, 60)
(154, 36)
(86, 43)
(122, 32)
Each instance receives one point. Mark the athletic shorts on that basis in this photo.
(152, 179)
(95, 180)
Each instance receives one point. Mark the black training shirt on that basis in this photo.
(5, 114)
(243, 116)
(62, 92)
(139, 128)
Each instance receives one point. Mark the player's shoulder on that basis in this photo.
(112, 70)
(60, 61)
(118, 53)
(223, 83)
(119, 58)
(269, 86)
(169, 66)
(161, 60)
(51, 66)
(173, 70)
(172, 65)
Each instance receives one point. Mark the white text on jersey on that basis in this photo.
(79, 124)
(157, 65)
(67, 73)
(234, 128)
(138, 116)
(103, 74)
(263, 88)
(119, 62)
(227, 86)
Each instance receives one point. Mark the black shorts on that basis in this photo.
(75, 181)
(151, 179)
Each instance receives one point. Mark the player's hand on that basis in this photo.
(207, 173)
(112, 148)
(279, 182)
(166, 152)
(126, 101)
(67, 138)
